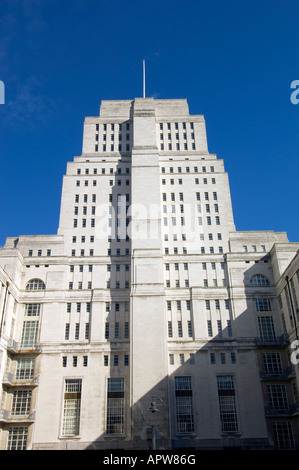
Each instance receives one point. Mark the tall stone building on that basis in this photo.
(148, 320)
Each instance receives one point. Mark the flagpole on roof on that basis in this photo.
(143, 78)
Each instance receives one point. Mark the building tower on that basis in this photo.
(148, 320)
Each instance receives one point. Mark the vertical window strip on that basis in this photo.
(227, 404)
(72, 407)
(184, 405)
(115, 406)
(17, 438)
(29, 334)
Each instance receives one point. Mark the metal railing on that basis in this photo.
(11, 380)
(283, 374)
(6, 416)
(17, 348)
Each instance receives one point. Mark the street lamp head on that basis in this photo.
(153, 407)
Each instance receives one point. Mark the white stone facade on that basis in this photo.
(147, 297)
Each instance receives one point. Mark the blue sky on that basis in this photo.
(234, 61)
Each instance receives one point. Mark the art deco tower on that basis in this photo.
(146, 299)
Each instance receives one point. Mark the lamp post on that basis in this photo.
(153, 409)
(148, 408)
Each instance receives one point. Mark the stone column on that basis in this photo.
(148, 319)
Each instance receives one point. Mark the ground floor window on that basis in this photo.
(283, 434)
(17, 438)
(184, 405)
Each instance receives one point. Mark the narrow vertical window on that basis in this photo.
(180, 329)
(71, 407)
(184, 405)
(227, 403)
(190, 334)
(67, 331)
(229, 328)
(115, 406)
(219, 327)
